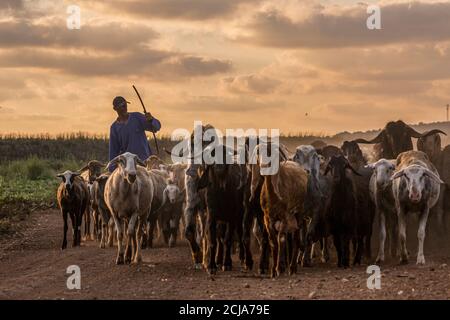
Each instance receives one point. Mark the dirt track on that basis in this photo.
(33, 267)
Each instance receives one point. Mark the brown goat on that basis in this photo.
(431, 145)
(153, 162)
(73, 199)
(89, 173)
(282, 198)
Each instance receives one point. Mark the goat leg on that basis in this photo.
(64, 242)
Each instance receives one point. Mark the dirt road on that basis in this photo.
(33, 267)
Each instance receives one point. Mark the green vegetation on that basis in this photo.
(27, 185)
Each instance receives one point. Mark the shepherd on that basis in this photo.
(127, 133)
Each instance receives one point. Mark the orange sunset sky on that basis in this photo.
(296, 65)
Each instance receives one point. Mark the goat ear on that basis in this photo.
(76, 174)
(140, 162)
(60, 175)
(397, 175)
(433, 175)
(370, 165)
(113, 161)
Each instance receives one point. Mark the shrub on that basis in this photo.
(36, 169)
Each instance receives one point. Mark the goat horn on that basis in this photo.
(433, 175)
(98, 163)
(413, 133)
(84, 168)
(377, 139)
(140, 162)
(434, 131)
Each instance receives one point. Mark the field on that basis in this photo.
(31, 231)
(33, 267)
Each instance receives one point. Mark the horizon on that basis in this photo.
(235, 64)
(299, 134)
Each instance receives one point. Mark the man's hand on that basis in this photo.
(148, 116)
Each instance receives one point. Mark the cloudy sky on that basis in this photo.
(296, 65)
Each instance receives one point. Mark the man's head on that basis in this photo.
(120, 105)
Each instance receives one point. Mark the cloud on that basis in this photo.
(42, 117)
(192, 66)
(218, 104)
(154, 64)
(110, 36)
(98, 49)
(6, 110)
(11, 4)
(396, 62)
(250, 84)
(343, 26)
(191, 10)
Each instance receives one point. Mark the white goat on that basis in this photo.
(380, 188)
(128, 195)
(416, 187)
(308, 157)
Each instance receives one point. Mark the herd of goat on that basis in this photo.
(319, 192)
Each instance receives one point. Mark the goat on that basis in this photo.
(154, 162)
(73, 199)
(282, 200)
(416, 187)
(365, 205)
(395, 138)
(383, 197)
(431, 145)
(224, 184)
(317, 191)
(101, 210)
(128, 195)
(253, 212)
(177, 174)
(342, 211)
(89, 173)
(158, 179)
